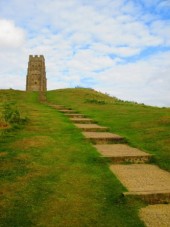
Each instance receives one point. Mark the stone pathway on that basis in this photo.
(146, 181)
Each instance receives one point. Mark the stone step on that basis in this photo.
(146, 181)
(151, 197)
(156, 215)
(123, 153)
(91, 128)
(58, 107)
(67, 111)
(82, 120)
(103, 137)
(74, 115)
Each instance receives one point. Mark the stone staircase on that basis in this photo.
(130, 165)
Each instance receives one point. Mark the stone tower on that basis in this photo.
(36, 74)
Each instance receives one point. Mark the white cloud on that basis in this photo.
(161, 29)
(164, 4)
(10, 35)
(143, 81)
(126, 51)
(88, 60)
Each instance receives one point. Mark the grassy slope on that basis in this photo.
(147, 128)
(51, 176)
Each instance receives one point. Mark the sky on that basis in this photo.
(119, 47)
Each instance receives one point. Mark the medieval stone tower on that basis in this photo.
(36, 74)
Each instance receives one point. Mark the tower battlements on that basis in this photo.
(36, 57)
(36, 74)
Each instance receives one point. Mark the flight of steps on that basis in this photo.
(130, 165)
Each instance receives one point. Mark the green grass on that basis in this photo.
(52, 176)
(145, 127)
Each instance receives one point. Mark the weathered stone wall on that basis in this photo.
(36, 74)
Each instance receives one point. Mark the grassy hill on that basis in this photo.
(145, 127)
(52, 176)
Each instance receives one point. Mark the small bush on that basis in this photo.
(96, 101)
(11, 114)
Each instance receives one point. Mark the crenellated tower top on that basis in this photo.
(36, 57)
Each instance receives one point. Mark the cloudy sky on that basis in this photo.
(121, 47)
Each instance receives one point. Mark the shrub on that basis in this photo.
(96, 101)
(11, 114)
